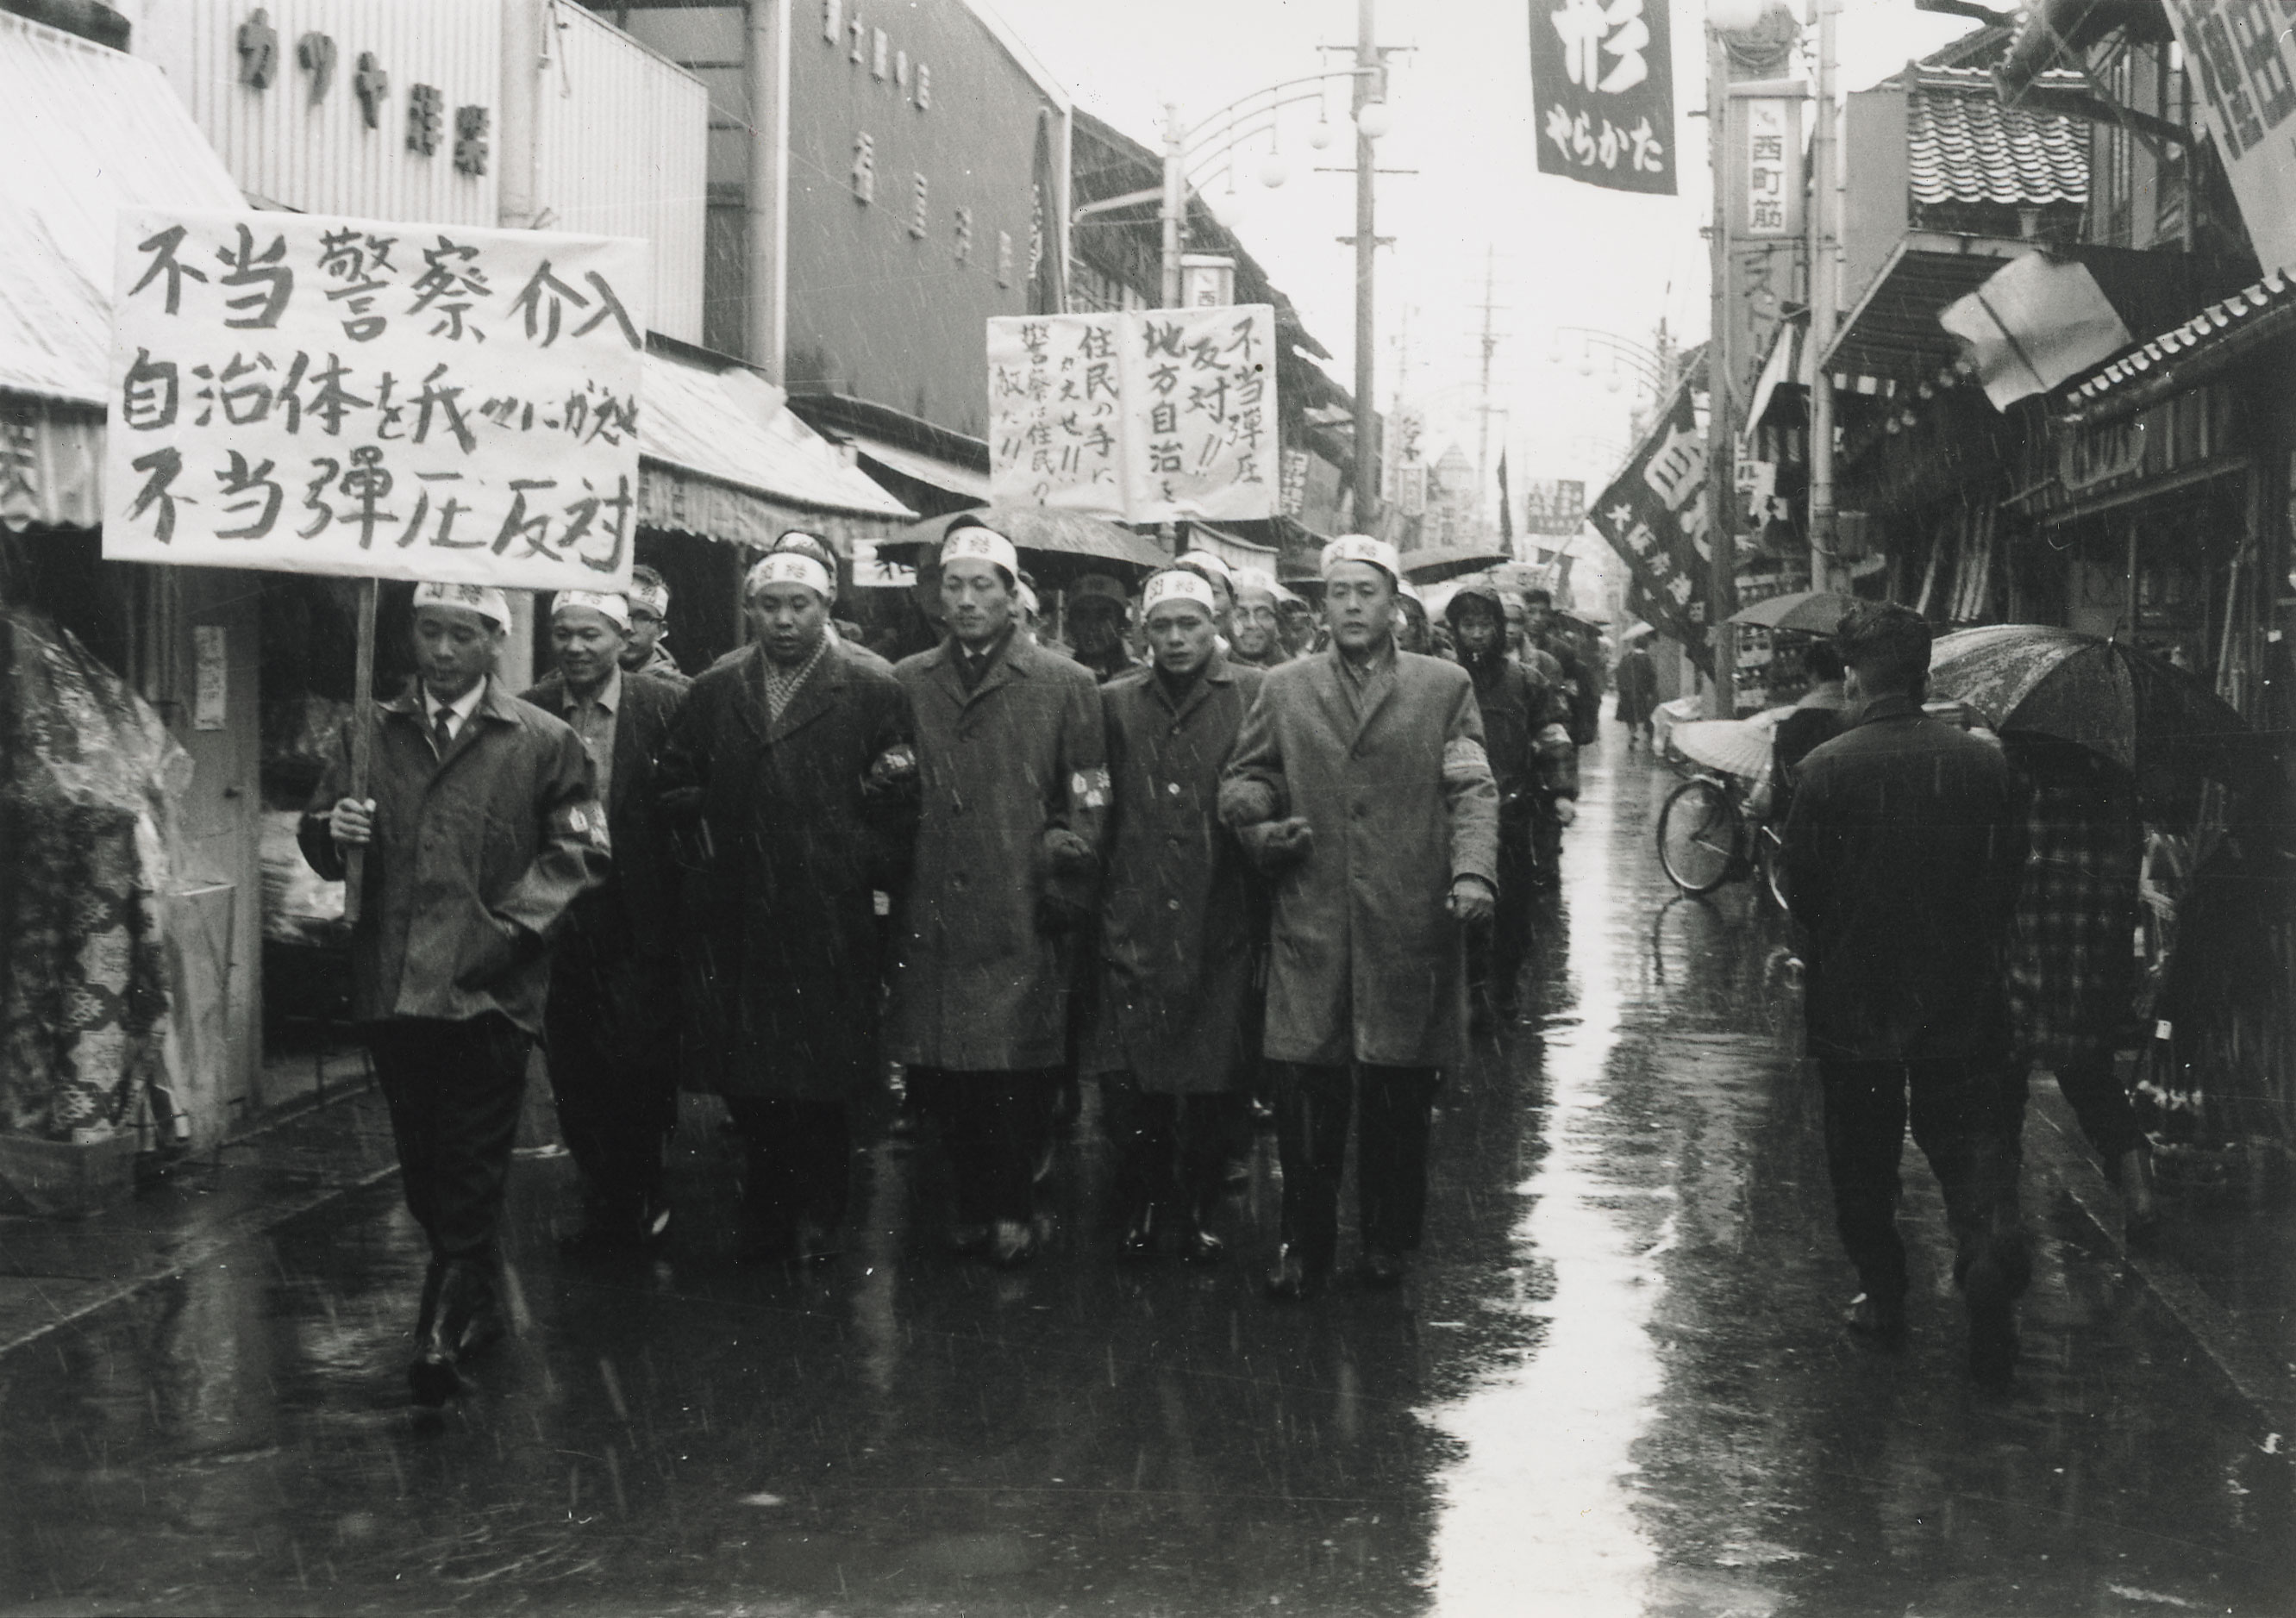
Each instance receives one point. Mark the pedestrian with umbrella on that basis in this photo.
(1903, 853)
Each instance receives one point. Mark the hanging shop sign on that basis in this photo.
(319, 394)
(1654, 516)
(1149, 415)
(1554, 505)
(2241, 61)
(1601, 86)
(1765, 168)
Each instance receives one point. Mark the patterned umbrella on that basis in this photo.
(2113, 700)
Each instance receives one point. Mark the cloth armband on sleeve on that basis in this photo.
(585, 820)
(1464, 760)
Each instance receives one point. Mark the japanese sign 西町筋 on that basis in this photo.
(1151, 415)
(316, 395)
(1654, 516)
(1602, 88)
(2244, 64)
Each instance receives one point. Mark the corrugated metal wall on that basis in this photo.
(622, 143)
(318, 156)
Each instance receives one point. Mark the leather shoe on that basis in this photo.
(1139, 1241)
(1883, 1321)
(966, 1239)
(1011, 1243)
(1198, 1245)
(1291, 1280)
(1382, 1269)
(464, 1299)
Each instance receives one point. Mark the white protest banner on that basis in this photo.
(1149, 415)
(314, 395)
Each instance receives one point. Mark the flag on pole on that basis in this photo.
(1506, 513)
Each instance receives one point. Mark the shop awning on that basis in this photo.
(1237, 551)
(2185, 354)
(1790, 364)
(85, 132)
(944, 474)
(1893, 332)
(721, 455)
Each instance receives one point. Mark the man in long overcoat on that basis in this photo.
(610, 1031)
(789, 771)
(1012, 771)
(1178, 1019)
(481, 834)
(1903, 851)
(1359, 780)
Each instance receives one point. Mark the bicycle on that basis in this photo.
(1715, 827)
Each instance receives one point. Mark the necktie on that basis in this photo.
(442, 731)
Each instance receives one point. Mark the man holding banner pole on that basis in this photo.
(481, 830)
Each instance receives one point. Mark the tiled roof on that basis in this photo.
(2185, 355)
(1963, 145)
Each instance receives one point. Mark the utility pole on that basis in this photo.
(1369, 87)
(1825, 202)
(1483, 437)
(1721, 541)
(1174, 207)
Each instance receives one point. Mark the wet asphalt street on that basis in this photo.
(1614, 1385)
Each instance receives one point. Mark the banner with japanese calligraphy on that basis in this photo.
(1554, 505)
(1764, 168)
(2243, 64)
(1654, 516)
(1602, 91)
(1149, 415)
(314, 395)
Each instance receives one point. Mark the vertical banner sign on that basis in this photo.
(317, 395)
(1766, 168)
(1654, 516)
(1152, 415)
(2241, 59)
(1555, 506)
(1602, 88)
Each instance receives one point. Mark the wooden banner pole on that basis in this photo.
(362, 743)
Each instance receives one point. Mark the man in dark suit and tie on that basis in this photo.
(611, 1028)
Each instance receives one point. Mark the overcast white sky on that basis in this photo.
(1565, 254)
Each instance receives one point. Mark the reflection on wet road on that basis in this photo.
(1614, 1385)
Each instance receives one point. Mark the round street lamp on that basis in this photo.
(1374, 120)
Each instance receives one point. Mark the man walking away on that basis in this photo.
(1536, 774)
(1637, 691)
(1359, 782)
(1014, 781)
(1902, 851)
(2071, 984)
(790, 761)
(1178, 1019)
(481, 833)
(645, 654)
(610, 1029)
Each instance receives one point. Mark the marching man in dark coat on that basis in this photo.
(1903, 851)
(1178, 1016)
(790, 771)
(481, 834)
(1360, 783)
(610, 1031)
(1014, 785)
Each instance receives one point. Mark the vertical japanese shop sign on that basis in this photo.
(1152, 416)
(2241, 60)
(1601, 87)
(1654, 518)
(1766, 168)
(317, 395)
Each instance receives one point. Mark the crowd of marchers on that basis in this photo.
(1231, 857)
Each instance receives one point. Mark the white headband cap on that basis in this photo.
(653, 598)
(789, 567)
(612, 606)
(1363, 548)
(1211, 564)
(1029, 604)
(1178, 584)
(981, 544)
(484, 600)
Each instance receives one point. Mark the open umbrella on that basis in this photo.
(1734, 747)
(1434, 566)
(1811, 611)
(1056, 546)
(2112, 699)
